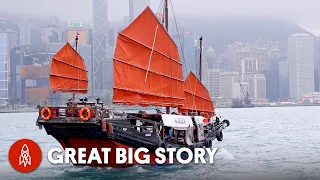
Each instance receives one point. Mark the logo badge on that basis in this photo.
(25, 155)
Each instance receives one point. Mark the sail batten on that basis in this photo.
(68, 72)
(150, 71)
(178, 62)
(147, 68)
(67, 77)
(69, 64)
(141, 92)
(197, 97)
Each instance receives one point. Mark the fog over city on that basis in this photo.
(304, 13)
(248, 46)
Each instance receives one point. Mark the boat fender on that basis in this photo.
(110, 128)
(45, 113)
(226, 121)
(104, 125)
(85, 118)
(219, 135)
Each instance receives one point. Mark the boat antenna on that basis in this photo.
(200, 71)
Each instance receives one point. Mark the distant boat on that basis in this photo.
(242, 102)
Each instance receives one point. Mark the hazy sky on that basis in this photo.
(304, 12)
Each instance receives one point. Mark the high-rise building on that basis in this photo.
(249, 65)
(50, 34)
(257, 85)
(239, 55)
(71, 33)
(261, 54)
(224, 63)
(12, 37)
(229, 85)
(3, 68)
(136, 7)
(272, 78)
(211, 59)
(284, 79)
(102, 64)
(212, 81)
(301, 65)
(54, 21)
(25, 33)
(112, 37)
(184, 40)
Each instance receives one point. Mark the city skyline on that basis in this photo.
(182, 8)
(255, 63)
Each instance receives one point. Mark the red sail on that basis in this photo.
(197, 97)
(147, 67)
(68, 72)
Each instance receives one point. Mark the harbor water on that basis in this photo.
(269, 142)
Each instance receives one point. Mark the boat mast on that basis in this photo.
(200, 71)
(76, 39)
(166, 25)
(166, 19)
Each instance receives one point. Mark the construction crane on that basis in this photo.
(246, 96)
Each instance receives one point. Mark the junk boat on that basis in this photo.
(147, 72)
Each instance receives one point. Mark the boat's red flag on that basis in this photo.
(147, 67)
(197, 97)
(68, 72)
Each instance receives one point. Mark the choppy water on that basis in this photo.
(261, 142)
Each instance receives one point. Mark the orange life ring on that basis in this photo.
(46, 116)
(85, 118)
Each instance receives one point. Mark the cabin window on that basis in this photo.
(173, 135)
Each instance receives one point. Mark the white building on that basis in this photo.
(211, 59)
(249, 65)
(25, 33)
(136, 7)
(3, 68)
(257, 85)
(301, 65)
(51, 34)
(212, 81)
(229, 86)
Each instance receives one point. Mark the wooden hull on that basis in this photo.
(90, 143)
(121, 132)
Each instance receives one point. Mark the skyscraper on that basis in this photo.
(272, 78)
(211, 58)
(25, 33)
(284, 79)
(301, 65)
(102, 66)
(184, 40)
(3, 68)
(136, 7)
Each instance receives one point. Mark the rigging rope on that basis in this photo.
(183, 58)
